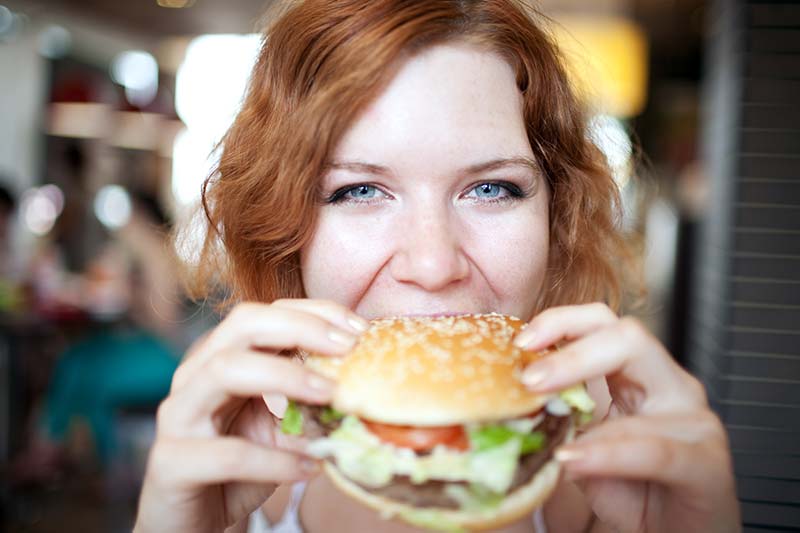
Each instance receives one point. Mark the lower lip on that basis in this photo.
(436, 315)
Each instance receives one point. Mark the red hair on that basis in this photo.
(321, 63)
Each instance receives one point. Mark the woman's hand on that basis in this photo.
(219, 452)
(659, 460)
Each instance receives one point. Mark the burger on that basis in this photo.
(431, 423)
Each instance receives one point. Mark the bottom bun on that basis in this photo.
(516, 505)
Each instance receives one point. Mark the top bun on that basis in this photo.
(433, 371)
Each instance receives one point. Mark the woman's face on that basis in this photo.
(433, 203)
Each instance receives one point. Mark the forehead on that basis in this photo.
(451, 101)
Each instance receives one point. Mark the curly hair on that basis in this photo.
(320, 64)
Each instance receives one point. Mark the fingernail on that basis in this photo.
(526, 337)
(566, 455)
(358, 324)
(341, 338)
(320, 383)
(534, 376)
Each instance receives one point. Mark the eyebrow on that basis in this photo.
(478, 168)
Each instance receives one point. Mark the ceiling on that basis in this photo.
(674, 27)
(147, 19)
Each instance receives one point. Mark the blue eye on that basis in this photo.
(362, 192)
(357, 193)
(495, 192)
(488, 190)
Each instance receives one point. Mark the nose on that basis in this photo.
(429, 252)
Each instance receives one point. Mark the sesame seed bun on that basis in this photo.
(433, 371)
(439, 371)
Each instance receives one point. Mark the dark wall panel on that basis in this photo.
(745, 318)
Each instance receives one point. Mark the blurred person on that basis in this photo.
(7, 270)
(393, 158)
(7, 204)
(15, 252)
(77, 232)
(117, 365)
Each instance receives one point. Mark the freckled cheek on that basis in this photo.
(511, 252)
(343, 257)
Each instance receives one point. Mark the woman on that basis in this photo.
(396, 157)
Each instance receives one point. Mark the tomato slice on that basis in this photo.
(461, 443)
(420, 438)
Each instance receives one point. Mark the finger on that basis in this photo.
(192, 462)
(641, 457)
(245, 374)
(676, 450)
(697, 426)
(268, 327)
(276, 403)
(291, 443)
(566, 322)
(630, 357)
(277, 328)
(258, 425)
(333, 312)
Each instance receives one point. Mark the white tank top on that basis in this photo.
(290, 521)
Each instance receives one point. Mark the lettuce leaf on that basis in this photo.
(474, 497)
(292, 423)
(329, 414)
(532, 442)
(434, 520)
(577, 398)
(486, 437)
(494, 467)
(363, 457)
(358, 453)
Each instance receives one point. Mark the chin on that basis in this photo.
(437, 314)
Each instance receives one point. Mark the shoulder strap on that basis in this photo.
(539, 525)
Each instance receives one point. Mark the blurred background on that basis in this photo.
(108, 115)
